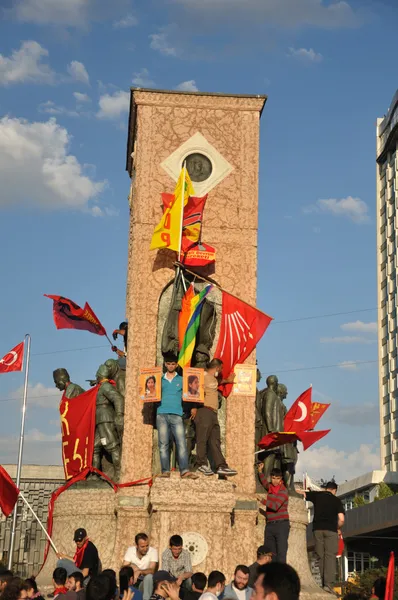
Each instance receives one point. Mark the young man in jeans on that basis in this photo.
(276, 513)
(169, 421)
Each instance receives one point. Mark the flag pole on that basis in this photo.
(182, 209)
(39, 522)
(20, 450)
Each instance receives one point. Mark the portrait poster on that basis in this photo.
(245, 380)
(151, 384)
(193, 385)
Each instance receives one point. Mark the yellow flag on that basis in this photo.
(168, 233)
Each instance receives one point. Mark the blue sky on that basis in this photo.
(65, 71)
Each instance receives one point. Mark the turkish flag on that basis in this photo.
(389, 595)
(78, 429)
(8, 493)
(317, 411)
(298, 418)
(68, 315)
(308, 438)
(13, 360)
(242, 327)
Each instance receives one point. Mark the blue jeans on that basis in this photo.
(172, 425)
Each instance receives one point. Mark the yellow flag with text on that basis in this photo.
(168, 233)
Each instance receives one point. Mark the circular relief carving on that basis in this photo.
(199, 167)
(196, 545)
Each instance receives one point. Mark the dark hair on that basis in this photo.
(176, 540)
(276, 473)
(379, 587)
(191, 379)
(281, 579)
(243, 568)
(199, 580)
(125, 574)
(110, 573)
(331, 485)
(31, 583)
(214, 578)
(148, 378)
(212, 364)
(13, 589)
(140, 536)
(77, 576)
(101, 587)
(5, 572)
(60, 576)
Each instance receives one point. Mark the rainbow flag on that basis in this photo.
(188, 343)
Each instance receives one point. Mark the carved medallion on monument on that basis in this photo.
(197, 546)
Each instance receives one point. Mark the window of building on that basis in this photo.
(358, 562)
(366, 496)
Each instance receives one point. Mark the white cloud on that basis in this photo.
(52, 178)
(187, 86)
(39, 395)
(160, 42)
(58, 12)
(305, 55)
(348, 365)
(127, 21)
(39, 448)
(360, 326)
(112, 106)
(78, 72)
(324, 462)
(25, 65)
(346, 339)
(142, 79)
(354, 209)
(81, 98)
(285, 13)
(50, 108)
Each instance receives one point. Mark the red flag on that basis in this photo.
(68, 315)
(78, 429)
(192, 219)
(8, 493)
(390, 578)
(340, 549)
(317, 411)
(242, 327)
(308, 438)
(198, 254)
(277, 438)
(298, 417)
(13, 360)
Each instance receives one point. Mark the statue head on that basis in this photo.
(102, 373)
(282, 391)
(113, 367)
(272, 382)
(61, 379)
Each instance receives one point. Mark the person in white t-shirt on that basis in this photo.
(144, 559)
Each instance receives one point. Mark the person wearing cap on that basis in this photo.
(86, 558)
(164, 586)
(328, 519)
(264, 556)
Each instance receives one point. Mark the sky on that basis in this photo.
(328, 69)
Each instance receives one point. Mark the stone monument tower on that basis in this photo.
(218, 136)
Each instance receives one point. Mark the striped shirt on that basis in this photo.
(276, 505)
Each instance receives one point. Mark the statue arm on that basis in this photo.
(114, 397)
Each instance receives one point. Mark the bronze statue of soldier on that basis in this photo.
(289, 451)
(109, 420)
(269, 419)
(117, 374)
(63, 383)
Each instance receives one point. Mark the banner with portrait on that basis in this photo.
(245, 380)
(193, 385)
(151, 384)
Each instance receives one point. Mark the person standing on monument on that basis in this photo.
(276, 504)
(207, 426)
(329, 515)
(169, 421)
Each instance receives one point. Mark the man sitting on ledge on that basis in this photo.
(144, 560)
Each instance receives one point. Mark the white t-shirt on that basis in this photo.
(144, 562)
(208, 596)
(240, 593)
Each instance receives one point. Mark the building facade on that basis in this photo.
(387, 280)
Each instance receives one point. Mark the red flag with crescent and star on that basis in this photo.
(8, 493)
(298, 418)
(317, 411)
(242, 327)
(13, 360)
(68, 315)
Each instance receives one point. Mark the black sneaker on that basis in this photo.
(226, 471)
(205, 470)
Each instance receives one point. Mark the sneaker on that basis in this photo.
(205, 470)
(226, 471)
(189, 475)
(165, 474)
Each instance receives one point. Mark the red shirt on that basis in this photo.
(277, 501)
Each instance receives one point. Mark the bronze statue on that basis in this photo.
(63, 383)
(289, 451)
(269, 419)
(109, 419)
(117, 374)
